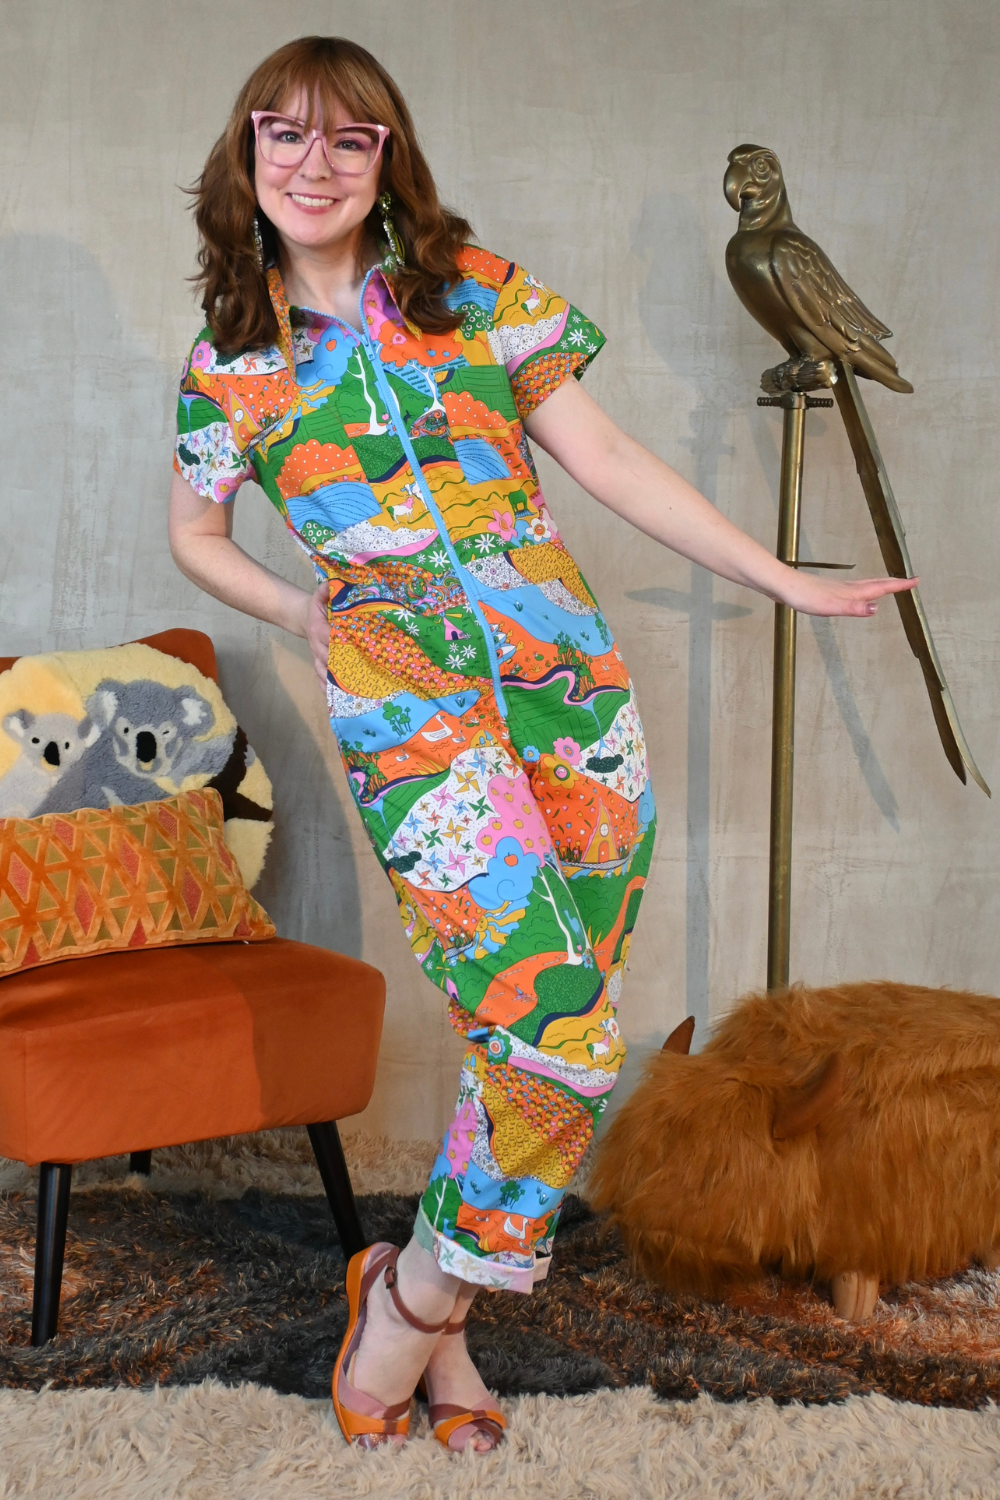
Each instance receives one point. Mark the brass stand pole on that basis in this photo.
(783, 722)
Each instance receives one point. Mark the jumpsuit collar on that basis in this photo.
(376, 306)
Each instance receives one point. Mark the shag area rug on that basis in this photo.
(198, 1306)
(173, 1287)
(213, 1442)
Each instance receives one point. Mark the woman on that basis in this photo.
(377, 375)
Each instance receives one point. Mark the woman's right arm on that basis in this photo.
(202, 546)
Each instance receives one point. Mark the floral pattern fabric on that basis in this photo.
(485, 717)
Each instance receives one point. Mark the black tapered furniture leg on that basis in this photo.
(54, 1179)
(141, 1162)
(329, 1153)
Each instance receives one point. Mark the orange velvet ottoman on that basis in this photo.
(131, 1051)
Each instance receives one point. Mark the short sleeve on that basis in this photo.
(206, 453)
(539, 338)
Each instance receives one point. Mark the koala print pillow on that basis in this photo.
(123, 726)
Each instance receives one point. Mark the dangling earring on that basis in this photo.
(258, 244)
(396, 256)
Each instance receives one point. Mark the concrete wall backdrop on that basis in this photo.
(587, 139)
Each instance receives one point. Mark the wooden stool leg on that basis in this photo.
(325, 1139)
(141, 1162)
(53, 1209)
(855, 1294)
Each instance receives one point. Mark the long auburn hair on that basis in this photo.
(329, 70)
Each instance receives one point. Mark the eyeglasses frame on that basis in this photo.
(257, 115)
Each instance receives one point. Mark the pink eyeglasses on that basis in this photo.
(351, 150)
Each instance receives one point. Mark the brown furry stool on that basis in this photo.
(851, 1134)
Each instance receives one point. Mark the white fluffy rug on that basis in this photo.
(210, 1442)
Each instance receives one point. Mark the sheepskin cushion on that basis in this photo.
(97, 880)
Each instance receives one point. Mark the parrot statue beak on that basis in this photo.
(737, 184)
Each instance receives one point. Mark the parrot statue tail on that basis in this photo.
(892, 542)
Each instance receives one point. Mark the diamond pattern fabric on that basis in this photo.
(101, 879)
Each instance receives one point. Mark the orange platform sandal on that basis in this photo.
(446, 1419)
(364, 1421)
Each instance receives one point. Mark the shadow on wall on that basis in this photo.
(687, 322)
(84, 410)
(84, 559)
(691, 317)
(310, 882)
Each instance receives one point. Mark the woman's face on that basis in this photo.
(311, 206)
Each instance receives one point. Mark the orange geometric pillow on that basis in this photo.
(109, 878)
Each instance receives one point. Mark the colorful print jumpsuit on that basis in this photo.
(485, 717)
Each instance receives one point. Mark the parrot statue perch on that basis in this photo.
(792, 288)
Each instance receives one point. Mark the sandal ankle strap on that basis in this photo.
(456, 1327)
(391, 1279)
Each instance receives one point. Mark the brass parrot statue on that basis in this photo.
(792, 288)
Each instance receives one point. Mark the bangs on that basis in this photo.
(328, 83)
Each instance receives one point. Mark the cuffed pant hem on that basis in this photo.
(481, 1270)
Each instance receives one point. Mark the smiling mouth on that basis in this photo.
(310, 202)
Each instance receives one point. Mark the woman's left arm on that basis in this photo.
(642, 489)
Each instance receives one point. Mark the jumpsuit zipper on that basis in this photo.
(470, 584)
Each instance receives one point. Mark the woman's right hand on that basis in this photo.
(203, 548)
(317, 631)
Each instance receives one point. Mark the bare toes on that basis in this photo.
(479, 1442)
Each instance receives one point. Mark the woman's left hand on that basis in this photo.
(636, 485)
(824, 596)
